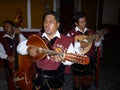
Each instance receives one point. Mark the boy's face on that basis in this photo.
(81, 23)
(8, 28)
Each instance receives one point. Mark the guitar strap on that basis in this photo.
(49, 43)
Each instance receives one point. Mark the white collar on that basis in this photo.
(6, 35)
(56, 35)
(78, 29)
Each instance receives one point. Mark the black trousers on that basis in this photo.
(49, 79)
(83, 74)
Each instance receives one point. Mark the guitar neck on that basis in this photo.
(67, 56)
(43, 50)
(90, 39)
(99, 34)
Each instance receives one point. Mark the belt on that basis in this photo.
(46, 76)
(47, 72)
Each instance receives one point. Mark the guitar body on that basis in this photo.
(89, 39)
(24, 75)
(21, 78)
(81, 38)
(85, 50)
(35, 40)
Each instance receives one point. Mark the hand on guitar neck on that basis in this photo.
(17, 31)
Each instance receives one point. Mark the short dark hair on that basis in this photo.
(8, 21)
(57, 17)
(77, 16)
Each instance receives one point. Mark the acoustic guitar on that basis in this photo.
(37, 41)
(90, 39)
